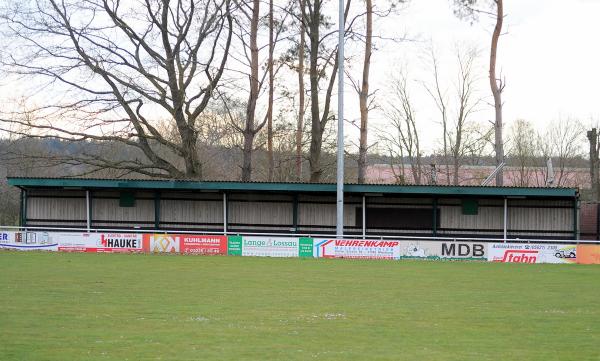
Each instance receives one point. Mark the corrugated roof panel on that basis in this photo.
(157, 184)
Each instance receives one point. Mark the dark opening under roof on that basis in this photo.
(191, 185)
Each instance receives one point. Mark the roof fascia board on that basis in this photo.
(295, 187)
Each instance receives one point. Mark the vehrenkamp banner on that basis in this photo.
(99, 242)
(532, 253)
(357, 248)
(270, 246)
(28, 241)
(457, 250)
(185, 243)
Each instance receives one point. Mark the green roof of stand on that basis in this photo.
(164, 184)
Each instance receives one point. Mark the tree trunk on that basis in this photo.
(456, 168)
(364, 95)
(247, 151)
(316, 130)
(249, 131)
(193, 166)
(594, 176)
(271, 89)
(496, 86)
(319, 122)
(300, 125)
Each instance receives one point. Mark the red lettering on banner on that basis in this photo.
(520, 256)
(365, 243)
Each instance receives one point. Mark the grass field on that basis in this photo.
(59, 306)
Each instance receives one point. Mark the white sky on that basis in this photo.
(550, 57)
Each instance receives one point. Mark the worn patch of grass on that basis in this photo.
(60, 306)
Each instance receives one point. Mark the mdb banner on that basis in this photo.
(444, 250)
(532, 253)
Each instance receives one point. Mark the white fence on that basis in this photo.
(297, 245)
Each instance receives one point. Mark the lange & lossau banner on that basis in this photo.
(269, 246)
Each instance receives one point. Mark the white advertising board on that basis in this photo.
(99, 242)
(356, 248)
(443, 250)
(532, 253)
(28, 241)
(270, 246)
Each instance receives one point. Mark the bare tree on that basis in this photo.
(365, 98)
(592, 136)
(467, 103)
(460, 136)
(250, 128)
(271, 93)
(301, 110)
(121, 67)
(523, 151)
(439, 95)
(562, 141)
(260, 73)
(403, 141)
(363, 94)
(320, 61)
(469, 9)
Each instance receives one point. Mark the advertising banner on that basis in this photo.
(356, 248)
(532, 253)
(27, 241)
(588, 254)
(209, 245)
(161, 243)
(77, 242)
(185, 243)
(269, 246)
(435, 250)
(99, 242)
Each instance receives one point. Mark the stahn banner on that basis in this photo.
(532, 253)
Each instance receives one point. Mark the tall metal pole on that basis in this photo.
(339, 228)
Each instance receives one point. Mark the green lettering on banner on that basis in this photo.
(305, 247)
(234, 245)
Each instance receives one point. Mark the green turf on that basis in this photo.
(59, 306)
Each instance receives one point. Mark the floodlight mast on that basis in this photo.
(339, 228)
